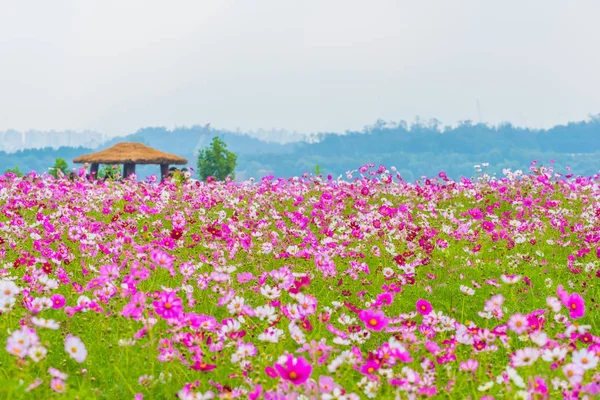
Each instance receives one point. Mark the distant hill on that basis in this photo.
(415, 150)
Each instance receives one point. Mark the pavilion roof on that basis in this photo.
(129, 152)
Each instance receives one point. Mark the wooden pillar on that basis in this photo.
(164, 171)
(94, 171)
(128, 169)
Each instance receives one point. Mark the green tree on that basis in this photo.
(59, 164)
(15, 171)
(216, 161)
(109, 171)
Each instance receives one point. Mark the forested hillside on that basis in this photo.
(415, 150)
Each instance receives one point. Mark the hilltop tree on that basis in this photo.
(59, 164)
(216, 161)
(15, 171)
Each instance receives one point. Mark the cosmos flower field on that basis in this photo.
(363, 286)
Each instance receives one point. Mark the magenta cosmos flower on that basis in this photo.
(424, 307)
(58, 301)
(373, 320)
(576, 306)
(168, 305)
(296, 370)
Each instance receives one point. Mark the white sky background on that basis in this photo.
(309, 66)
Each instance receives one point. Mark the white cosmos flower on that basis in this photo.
(510, 279)
(525, 357)
(539, 337)
(266, 312)
(45, 323)
(515, 377)
(8, 289)
(37, 352)
(585, 359)
(553, 303)
(467, 290)
(235, 305)
(126, 342)
(76, 349)
(6, 304)
(271, 334)
(554, 355)
(270, 292)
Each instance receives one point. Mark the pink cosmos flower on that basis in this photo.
(538, 385)
(245, 277)
(370, 367)
(37, 382)
(327, 384)
(574, 373)
(58, 385)
(591, 388)
(373, 320)
(525, 357)
(385, 298)
(202, 366)
(58, 301)
(562, 294)
(55, 373)
(518, 323)
(168, 305)
(576, 306)
(424, 307)
(469, 366)
(270, 371)
(294, 369)
(136, 306)
(161, 259)
(96, 283)
(255, 394)
(494, 303)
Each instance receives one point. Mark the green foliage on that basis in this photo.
(15, 171)
(216, 161)
(317, 170)
(59, 164)
(109, 171)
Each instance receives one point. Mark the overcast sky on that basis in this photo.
(305, 65)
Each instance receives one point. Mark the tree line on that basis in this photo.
(420, 148)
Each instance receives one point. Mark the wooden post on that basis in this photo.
(128, 169)
(164, 171)
(94, 171)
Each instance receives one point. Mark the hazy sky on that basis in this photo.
(305, 65)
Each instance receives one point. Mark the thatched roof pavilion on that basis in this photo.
(129, 154)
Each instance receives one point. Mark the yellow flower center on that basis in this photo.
(372, 322)
(293, 375)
